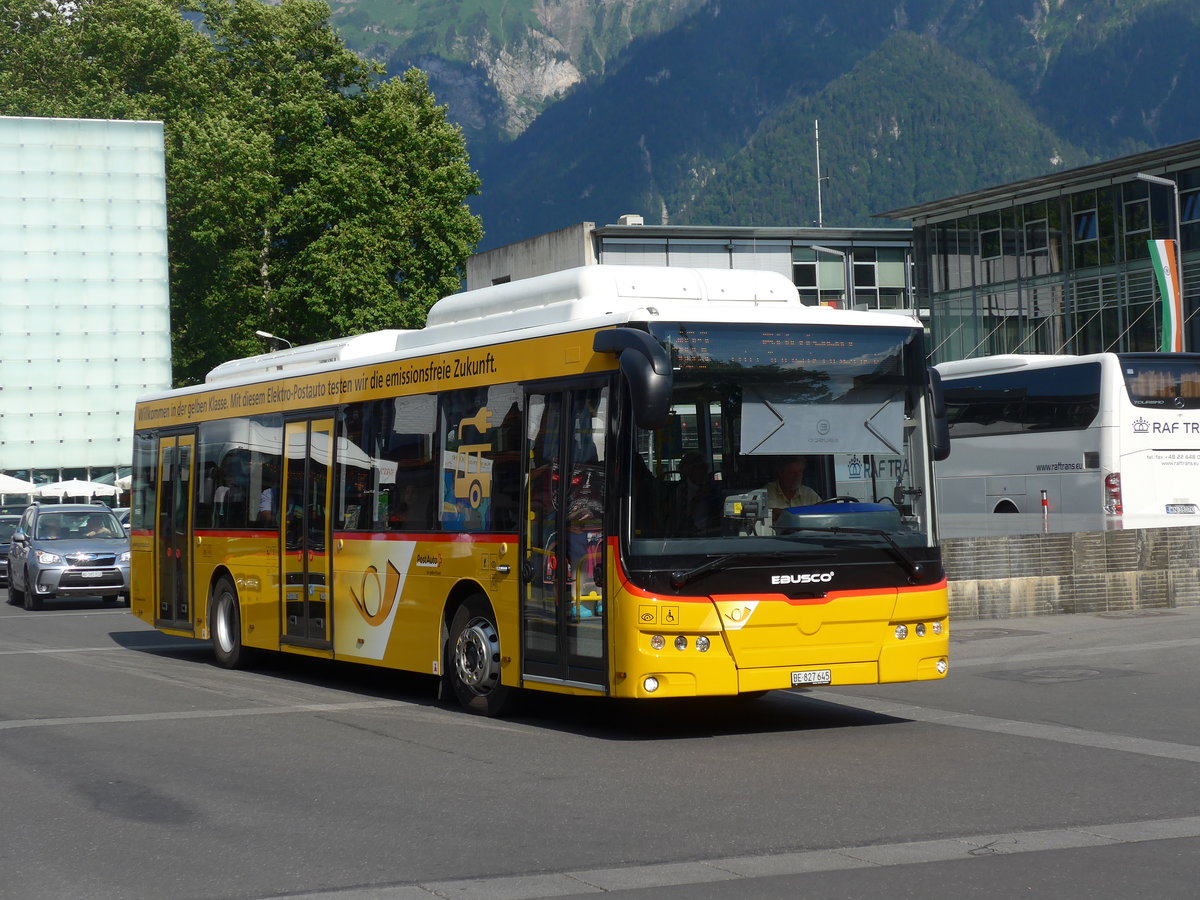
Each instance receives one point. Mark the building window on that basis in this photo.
(804, 275)
(1085, 226)
(990, 244)
(819, 277)
(864, 268)
(1086, 234)
(1137, 224)
(1189, 209)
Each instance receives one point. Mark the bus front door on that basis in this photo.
(307, 462)
(173, 559)
(563, 610)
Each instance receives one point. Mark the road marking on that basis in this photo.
(1060, 653)
(1063, 734)
(603, 881)
(157, 645)
(59, 613)
(448, 716)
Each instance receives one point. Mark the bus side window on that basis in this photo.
(481, 473)
(407, 474)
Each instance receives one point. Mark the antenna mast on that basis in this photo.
(817, 136)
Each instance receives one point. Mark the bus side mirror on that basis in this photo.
(940, 428)
(646, 366)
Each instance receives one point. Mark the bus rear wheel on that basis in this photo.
(225, 626)
(473, 663)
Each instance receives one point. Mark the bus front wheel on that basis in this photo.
(474, 659)
(225, 626)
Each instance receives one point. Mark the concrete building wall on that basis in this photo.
(84, 300)
(566, 248)
(1095, 572)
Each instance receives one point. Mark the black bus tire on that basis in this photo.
(473, 659)
(225, 627)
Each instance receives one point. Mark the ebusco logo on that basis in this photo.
(803, 578)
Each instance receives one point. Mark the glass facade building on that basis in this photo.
(84, 314)
(1060, 263)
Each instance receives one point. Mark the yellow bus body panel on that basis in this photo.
(757, 641)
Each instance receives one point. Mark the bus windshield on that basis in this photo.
(783, 438)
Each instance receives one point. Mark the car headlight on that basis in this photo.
(124, 557)
(46, 558)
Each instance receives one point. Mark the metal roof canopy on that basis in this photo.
(1116, 171)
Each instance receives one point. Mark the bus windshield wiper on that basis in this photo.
(724, 561)
(910, 565)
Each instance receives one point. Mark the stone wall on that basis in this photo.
(1086, 572)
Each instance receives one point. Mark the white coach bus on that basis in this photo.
(1071, 443)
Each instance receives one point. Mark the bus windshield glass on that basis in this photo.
(783, 437)
(1162, 381)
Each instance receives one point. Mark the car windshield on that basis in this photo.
(75, 525)
(7, 527)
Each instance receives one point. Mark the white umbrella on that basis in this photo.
(10, 485)
(124, 483)
(74, 487)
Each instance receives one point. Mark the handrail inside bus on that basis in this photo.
(646, 366)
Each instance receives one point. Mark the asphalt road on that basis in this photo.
(1061, 758)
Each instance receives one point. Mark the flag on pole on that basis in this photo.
(1166, 267)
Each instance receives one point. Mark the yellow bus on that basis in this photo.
(566, 484)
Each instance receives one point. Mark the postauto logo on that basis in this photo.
(803, 578)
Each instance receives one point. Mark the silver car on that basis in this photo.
(68, 549)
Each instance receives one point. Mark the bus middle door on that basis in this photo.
(308, 456)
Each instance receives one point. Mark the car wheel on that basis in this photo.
(32, 600)
(473, 659)
(15, 597)
(225, 626)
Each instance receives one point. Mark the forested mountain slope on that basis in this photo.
(702, 110)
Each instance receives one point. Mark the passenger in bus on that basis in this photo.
(267, 499)
(788, 488)
(696, 506)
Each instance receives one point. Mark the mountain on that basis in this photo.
(500, 63)
(911, 121)
(702, 111)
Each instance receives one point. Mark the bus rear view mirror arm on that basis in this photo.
(646, 367)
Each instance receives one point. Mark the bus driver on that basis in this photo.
(788, 489)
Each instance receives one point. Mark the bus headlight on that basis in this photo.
(942, 666)
(901, 632)
(681, 643)
(650, 684)
(702, 644)
(658, 642)
(937, 627)
(920, 629)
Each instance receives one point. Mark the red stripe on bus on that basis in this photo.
(424, 536)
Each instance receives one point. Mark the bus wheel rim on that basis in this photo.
(222, 626)
(475, 656)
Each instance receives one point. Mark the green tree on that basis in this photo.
(306, 195)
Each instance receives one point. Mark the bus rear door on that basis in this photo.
(173, 558)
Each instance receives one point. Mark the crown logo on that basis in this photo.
(1141, 426)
